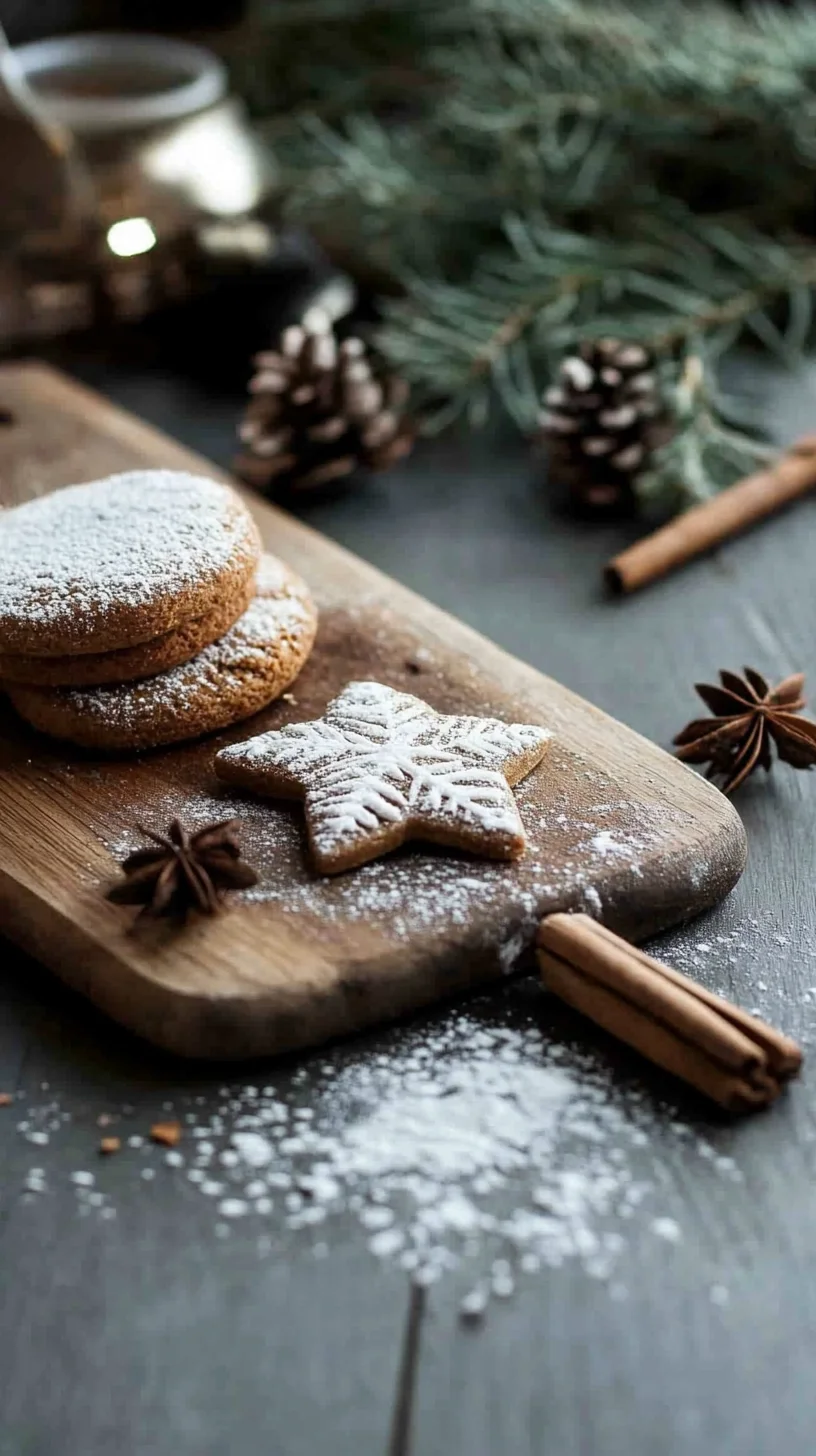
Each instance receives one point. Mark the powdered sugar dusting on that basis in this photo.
(277, 614)
(381, 759)
(730, 958)
(473, 1143)
(68, 558)
(417, 893)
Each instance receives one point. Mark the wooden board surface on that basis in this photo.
(615, 824)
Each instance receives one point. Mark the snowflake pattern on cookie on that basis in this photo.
(382, 767)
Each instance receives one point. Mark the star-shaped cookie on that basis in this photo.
(382, 767)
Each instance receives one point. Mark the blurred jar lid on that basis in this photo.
(99, 82)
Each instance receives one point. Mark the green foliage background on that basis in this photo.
(514, 176)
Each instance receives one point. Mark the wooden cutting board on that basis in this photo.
(615, 824)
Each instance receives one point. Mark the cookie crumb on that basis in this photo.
(108, 1145)
(6, 1099)
(166, 1133)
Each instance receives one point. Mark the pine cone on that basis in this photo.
(319, 411)
(601, 422)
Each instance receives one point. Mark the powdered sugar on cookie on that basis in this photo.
(114, 562)
(256, 660)
(382, 767)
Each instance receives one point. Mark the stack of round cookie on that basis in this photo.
(139, 610)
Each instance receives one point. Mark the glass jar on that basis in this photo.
(170, 162)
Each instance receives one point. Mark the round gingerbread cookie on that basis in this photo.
(252, 664)
(98, 567)
(91, 669)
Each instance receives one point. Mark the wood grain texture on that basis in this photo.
(301, 964)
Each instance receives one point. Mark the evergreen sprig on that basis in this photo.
(516, 176)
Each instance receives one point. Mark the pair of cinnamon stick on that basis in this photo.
(717, 520)
(730, 1056)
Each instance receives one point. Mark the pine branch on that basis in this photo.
(531, 173)
(705, 451)
(676, 281)
(327, 57)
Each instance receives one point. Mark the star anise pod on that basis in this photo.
(749, 715)
(180, 871)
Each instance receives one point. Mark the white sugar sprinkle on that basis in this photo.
(414, 895)
(233, 1207)
(245, 651)
(123, 542)
(471, 1143)
(253, 1147)
(668, 1229)
(474, 1305)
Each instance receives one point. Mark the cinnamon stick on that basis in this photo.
(716, 520)
(730, 1056)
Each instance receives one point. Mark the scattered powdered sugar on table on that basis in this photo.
(471, 1143)
(734, 961)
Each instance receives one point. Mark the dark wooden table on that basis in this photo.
(148, 1335)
